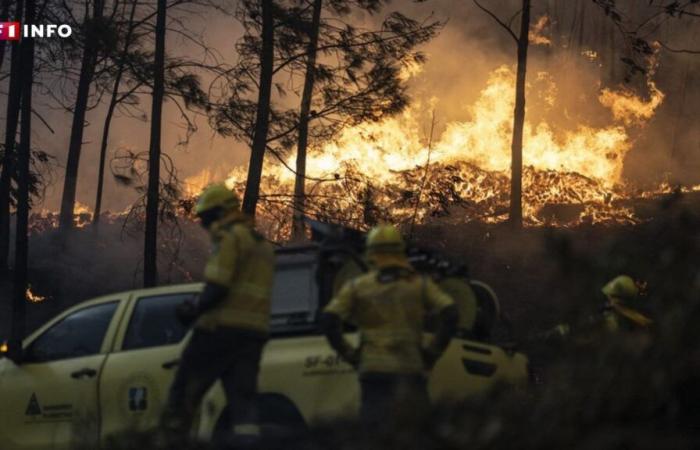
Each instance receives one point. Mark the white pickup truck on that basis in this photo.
(105, 366)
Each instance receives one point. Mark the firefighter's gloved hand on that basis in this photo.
(187, 312)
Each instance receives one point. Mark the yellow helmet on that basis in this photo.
(622, 287)
(217, 196)
(386, 248)
(385, 239)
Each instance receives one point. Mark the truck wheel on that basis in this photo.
(279, 419)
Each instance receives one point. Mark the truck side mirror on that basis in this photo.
(12, 351)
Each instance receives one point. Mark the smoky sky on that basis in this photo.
(459, 61)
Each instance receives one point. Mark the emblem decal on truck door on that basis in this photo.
(33, 408)
(138, 399)
(139, 395)
(39, 414)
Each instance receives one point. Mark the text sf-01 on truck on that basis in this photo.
(104, 367)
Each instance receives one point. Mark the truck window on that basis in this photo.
(294, 297)
(154, 323)
(78, 334)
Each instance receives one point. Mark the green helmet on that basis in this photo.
(622, 287)
(385, 239)
(217, 196)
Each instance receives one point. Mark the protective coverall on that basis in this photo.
(389, 305)
(232, 322)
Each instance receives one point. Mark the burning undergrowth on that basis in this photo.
(390, 171)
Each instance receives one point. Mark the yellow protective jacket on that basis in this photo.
(390, 317)
(618, 317)
(243, 261)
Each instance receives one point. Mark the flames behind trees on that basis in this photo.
(373, 172)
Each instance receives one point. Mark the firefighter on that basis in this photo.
(388, 304)
(618, 312)
(231, 319)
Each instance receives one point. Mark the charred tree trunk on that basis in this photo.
(304, 116)
(688, 71)
(549, 49)
(23, 156)
(582, 28)
(262, 119)
(8, 167)
(4, 15)
(675, 130)
(87, 71)
(113, 102)
(516, 180)
(576, 29)
(556, 24)
(150, 256)
(612, 53)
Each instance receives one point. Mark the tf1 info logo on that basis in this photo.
(12, 31)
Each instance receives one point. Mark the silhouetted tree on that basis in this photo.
(11, 122)
(87, 71)
(262, 120)
(304, 116)
(150, 267)
(359, 78)
(23, 180)
(355, 77)
(522, 40)
(116, 98)
(4, 15)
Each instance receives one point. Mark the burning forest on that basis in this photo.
(386, 171)
(529, 157)
(415, 165)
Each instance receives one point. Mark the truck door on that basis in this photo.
(298, 363)
(138, 374)
(53, 392)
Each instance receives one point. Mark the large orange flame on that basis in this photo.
(388, 167)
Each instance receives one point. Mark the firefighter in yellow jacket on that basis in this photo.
(389, 304)
(619, 313)
(231, 318)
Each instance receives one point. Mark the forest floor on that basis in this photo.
(596, 394)
(523, 267)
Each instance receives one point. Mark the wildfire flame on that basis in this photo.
(537, 32)
(386, 171)
(82, 214)
(629, 108)
(32, 297)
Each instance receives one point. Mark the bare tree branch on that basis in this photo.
(499, 21)
(679, 50)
